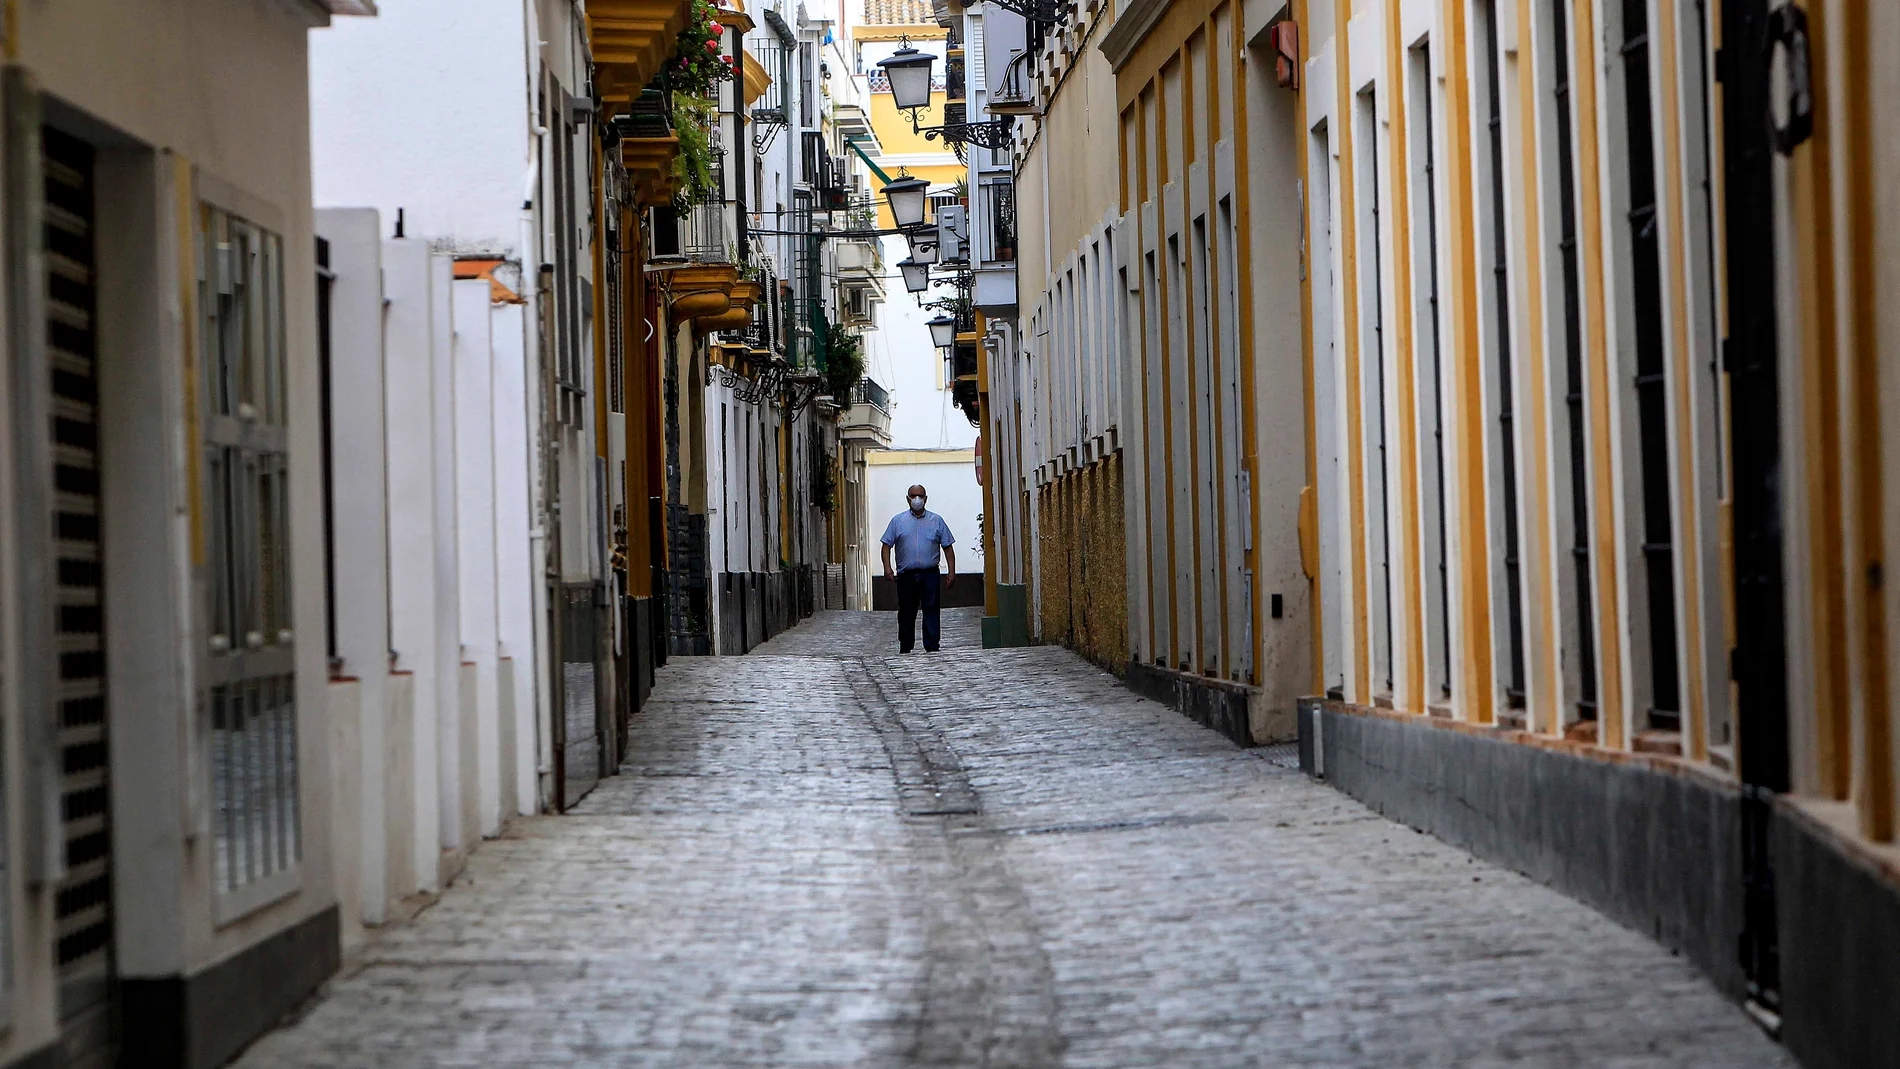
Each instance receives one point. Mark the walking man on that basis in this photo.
(917, 535)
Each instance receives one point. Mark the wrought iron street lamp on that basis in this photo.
(943, 331)
(923, 246)
(906, 197)
(916, 276)
(909, 74)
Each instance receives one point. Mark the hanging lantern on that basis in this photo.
(916, 276)
(943, 331)
(923, 246)
(906, 197)
(909, 73)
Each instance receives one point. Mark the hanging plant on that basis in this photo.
(698, 64)
(693, 121)
(844, 362)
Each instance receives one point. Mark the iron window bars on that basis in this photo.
(250, 650)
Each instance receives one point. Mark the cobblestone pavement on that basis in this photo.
(825, 854)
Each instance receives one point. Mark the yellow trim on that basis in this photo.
(919, 31)
(880, 457)
(1411, 528)
(1809, 185)
(1547, 713)
(600, 307)
(1874, 788)
(1309, 494)
(1349, 302)
(1159, 46)
(185, 203)
(1474, 578)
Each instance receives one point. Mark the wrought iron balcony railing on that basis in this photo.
(1016, 92)
(867, 392)
(999, 204)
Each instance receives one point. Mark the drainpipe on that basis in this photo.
(530, 253)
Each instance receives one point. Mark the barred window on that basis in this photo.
(250, 675)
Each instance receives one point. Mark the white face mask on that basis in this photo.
(916, 504)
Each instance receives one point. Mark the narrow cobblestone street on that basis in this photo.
(824, 854)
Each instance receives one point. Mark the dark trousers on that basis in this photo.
(919, 588)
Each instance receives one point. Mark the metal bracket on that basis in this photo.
(1047, 12)
(993, 134)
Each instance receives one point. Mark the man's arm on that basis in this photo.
(950, 558)
(888, 573)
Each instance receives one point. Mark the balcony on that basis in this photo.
(994, 292)
(630, 39)
(867, 420)
(707, 289)
(858, 255)
(704, 235)
(1016, 93)
(648, 148)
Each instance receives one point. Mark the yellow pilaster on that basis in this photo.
(1474, 565)
(1411, 533)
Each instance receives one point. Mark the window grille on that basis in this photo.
(250, 656)
(1000, 199)
(1384, 651)
(807, 81)
(1651, 406)
(1442, 550)
(1573, 366)
(1513, 581)
(773, 54)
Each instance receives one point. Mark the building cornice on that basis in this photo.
(1131, 26)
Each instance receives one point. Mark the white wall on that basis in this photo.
(358, 501)
(426, 107)
(954, 495)
(475, 508)
(413, 537)
(514, 594)
(900, 357)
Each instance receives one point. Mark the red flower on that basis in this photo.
(712, 46)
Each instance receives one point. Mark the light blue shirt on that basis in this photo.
(917, 539)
